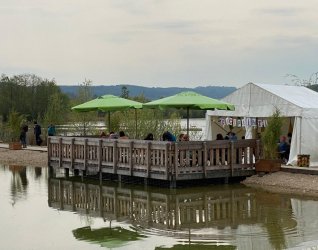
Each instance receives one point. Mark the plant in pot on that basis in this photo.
(15, 121)
(270, 160)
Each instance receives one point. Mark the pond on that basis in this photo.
(38, 212)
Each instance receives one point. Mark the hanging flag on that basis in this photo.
(253, 122)
(239, 122)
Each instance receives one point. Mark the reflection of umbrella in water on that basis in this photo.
(107, 237)
(109, 103)
(189, 100)
(198, 246)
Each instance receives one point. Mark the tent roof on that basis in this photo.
(298, 95)
(260, 100)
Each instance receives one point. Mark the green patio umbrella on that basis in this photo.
(109, 103)
(189, 100)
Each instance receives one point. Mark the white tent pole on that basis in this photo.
(300, 134)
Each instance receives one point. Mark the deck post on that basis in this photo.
(257, 150)
(167, 166)
(176, 160)
(72, 153)
(67, 172)
(148, 159)
(99, 156)
(60, 152)
(131, 158)
(205, 158)
(232, 157)
(76, 172)
(49, 153)
(85, 153)
(115, 155)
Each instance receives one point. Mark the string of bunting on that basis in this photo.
(243, 122)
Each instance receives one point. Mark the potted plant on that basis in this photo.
(270, 160)
(14, 124)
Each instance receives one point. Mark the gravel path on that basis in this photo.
(283, 182)
(23, 157)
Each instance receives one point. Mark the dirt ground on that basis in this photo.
(283, 182)
(23, 157)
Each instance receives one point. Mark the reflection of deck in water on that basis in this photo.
(167, 210)
(157, 160)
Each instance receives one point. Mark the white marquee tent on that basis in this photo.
(299, 105)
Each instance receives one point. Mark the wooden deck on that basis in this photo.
(157, 160)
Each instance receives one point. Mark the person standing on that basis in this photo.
(37, 133)
(51, 130)
(24, 131)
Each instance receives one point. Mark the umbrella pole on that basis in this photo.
(135, 123)
(188, 121)
(108, 121)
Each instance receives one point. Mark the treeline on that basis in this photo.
(27, 98)
(31, 96)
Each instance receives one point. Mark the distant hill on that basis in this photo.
(152, 93)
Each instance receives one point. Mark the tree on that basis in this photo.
(124, 92)
(57, 110)
(82, 121)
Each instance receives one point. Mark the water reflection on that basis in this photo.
(107, 237)
(19, 182)
(198, 217)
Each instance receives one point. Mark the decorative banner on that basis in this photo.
(253, 122)
(265, 123)
(234, 122)
(239, 123)
(222, 121)
(242, 122)
(248, 122)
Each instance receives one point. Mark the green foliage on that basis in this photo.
(148, 121)
(14, 124)
(57, 110)
(27, 94)
(83, 121)
(271, 135)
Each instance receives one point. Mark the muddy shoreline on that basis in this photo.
(23, 157)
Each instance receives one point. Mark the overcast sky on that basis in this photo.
(160, 42)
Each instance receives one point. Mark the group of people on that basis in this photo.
(113, 135)
(166, 136)
(37, 131)
(229, 136)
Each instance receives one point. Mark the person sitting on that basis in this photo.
(113, 135)
(180, 137)
(149, 137)
(185, 137)
(122, 135)
(167, 136)
(219, 137)
(283, 149)
(103, 135)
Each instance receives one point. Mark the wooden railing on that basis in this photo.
(154, 159)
